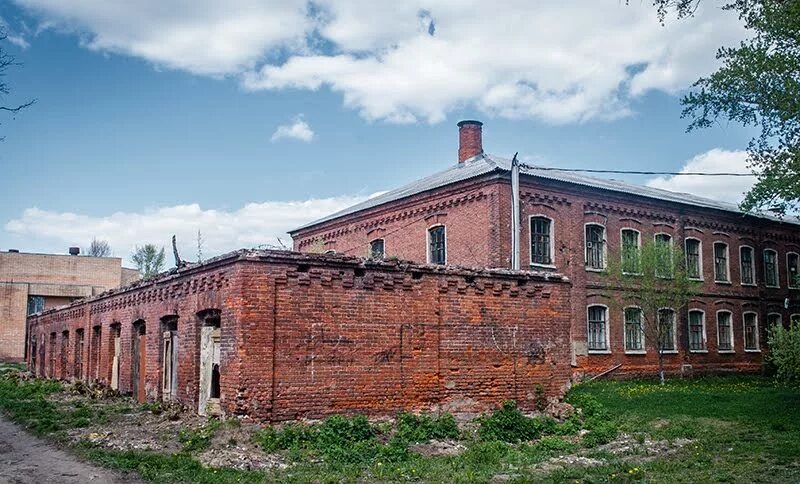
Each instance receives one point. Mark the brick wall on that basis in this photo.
(306, 336)
(571, 207)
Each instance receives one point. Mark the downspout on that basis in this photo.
(515, 213)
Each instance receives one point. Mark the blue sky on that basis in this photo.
(151, 121)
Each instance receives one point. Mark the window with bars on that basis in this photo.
(630, 251)
(540, 240)
(437, 245)
(724, 331)
(377, 249)
(663, 245)
(746, 261)
(792, 263)
(597, 329)
(721, 262)
(634, 330)
(693, 259)
(697, 331)
(666, 322)
(750, 331)
(771, 268)
(595, 246)
(35, 304)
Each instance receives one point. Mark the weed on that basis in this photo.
(199, 439)
(413, 428)
(508, 424)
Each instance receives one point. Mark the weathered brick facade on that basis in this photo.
(476, 212)
(310, 335)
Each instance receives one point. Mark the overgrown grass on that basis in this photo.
(741, 429)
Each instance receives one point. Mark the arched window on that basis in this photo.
(437, 245)
(748, 268)
(721, 266)
(750, 321)
(792, 267)
(724, 331)
(697, 330)
(666, 322)
(597, 321)
(630, 242)
(694, 259)
(664, 260)
(377, 249)
(634, 330)
(541, 229)
(595, 240)
(771, 268)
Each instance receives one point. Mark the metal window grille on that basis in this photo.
(747, 266)
(724, 332)
(666, 321)
(750, 331)
(540, 241)
(437, 245)
(595, 246)
(376, 249)
(663, 243)
(634, 332)
(770, 268)
(693, 258)
(630, 251)
(697, 340)
(721, 262)
(597, 328)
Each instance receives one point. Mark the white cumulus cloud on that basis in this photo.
(298, 129)
(724, 188)
(252, 225)
(561, 61)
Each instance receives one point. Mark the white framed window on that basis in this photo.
(541, 237)
(630, 248)
(634, 330)
(663, 246)
(694, 258)
(747, 265)
(722, 269)
(597, 328)
(697, 331)
(437, 245)
(666, 321)
(771, 268)
(377, 249)
(595, 243)
(725, 331)
(750, 323)
(773, 319)
(793, 269)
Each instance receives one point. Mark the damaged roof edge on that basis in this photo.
(290, 257)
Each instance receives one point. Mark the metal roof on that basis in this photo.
(484, 164)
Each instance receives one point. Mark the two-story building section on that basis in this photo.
(570, 223)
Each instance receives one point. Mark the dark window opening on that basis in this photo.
(377, 249)
(746, 256)
(35, 304)
(540, 241)
(693, 260)
(437, 250)
(595, 247)
(215, 390)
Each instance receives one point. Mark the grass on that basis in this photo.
(740, 429)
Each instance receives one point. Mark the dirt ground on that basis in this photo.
(27, 459)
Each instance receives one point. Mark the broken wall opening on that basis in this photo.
(210, 371)
(64, 373)
(115, 354)
(139, 360)
(94, 352)
(78, 357)
(169, 358)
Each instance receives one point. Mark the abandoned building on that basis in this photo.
(482, 212)
(280, 335)
(33, 282)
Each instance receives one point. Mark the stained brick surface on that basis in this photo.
(307, 336)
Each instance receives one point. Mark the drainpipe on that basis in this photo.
(515, 213)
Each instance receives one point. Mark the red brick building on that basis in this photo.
(281, 335)
(570, 223)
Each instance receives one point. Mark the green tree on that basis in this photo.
(784, 351)
(648, 283)
(149, 260)
(757, 85)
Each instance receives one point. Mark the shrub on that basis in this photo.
(422, 428)
(601, 432)
(508, 424)
(784, 352)
(199, 439)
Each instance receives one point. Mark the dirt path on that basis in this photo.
(28, 459)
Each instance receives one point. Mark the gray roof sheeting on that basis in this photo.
(483, 164)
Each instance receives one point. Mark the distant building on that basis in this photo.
(30, 283)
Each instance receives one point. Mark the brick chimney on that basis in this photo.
(470, 139)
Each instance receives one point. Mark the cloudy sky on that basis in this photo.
(246, 118)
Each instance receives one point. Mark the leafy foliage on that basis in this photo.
(508, 424)
(149, 260)
(784, 351)
(413, 428)
(199, 439)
